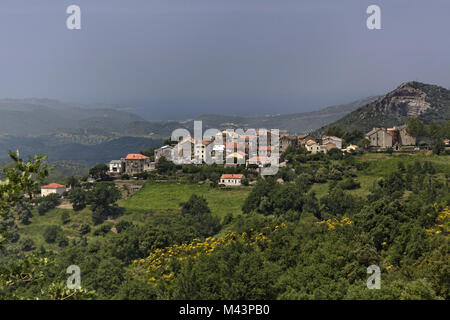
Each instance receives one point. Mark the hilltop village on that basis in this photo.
(378, 139)
(251, 152)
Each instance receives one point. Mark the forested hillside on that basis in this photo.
(311, 235)
(76, 152)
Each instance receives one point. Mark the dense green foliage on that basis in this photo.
(103, 200)
(78, 198)
(47, 203)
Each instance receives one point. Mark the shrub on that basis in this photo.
(51, 233)
(48, 203)
(123, 225)
(26, 244)
(78, 199)
(65, 217)
(102, 230)
(85, 229)
(349, 184)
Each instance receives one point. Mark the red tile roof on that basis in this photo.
(135, 156)
(232, 176)
(53, 186)
(259, 159)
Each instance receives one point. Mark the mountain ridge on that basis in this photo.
(301, 122)
(427, 102)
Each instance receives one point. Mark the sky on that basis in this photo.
(177, 59)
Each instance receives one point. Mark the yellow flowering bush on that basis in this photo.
(442, 224)
(333, 223)
(157, 265)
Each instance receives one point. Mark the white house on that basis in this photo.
(184, 152)
(52, 188)
(116, 166)
(218, 153)
(164, 151)
(231, 179)
(200, 150)
(314, 147)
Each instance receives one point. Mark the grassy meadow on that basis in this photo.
(166, 198)
(377, 165)
(154, 199)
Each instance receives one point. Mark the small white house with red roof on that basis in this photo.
(52, 188)
(231, 179)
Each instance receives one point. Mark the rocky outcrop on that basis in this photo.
(426, 102)
(405, 101)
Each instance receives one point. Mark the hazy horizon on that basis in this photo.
(183, 58)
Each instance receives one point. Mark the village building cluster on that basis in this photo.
(226, 147)
(396, 138)
(240, 148)
(192, 151)
(230, 147)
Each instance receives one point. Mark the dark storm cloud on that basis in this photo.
(181, 58)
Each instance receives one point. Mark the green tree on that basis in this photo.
(102, 199)
(438, 146)
(48, 203)
(23, 212)
(51, 233)
(353, 137)
(78, 199)
(434, 131)
(8, 228)
(85, 229)
(65, 217)
(149, 153)
(365, 143)
(262, 189)
(196, 213)
(26, 244)
(194, 206)
(99, 171)
(73, 182)
(415, 128)
(164, 166)
(22, 178)
(335, 130)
